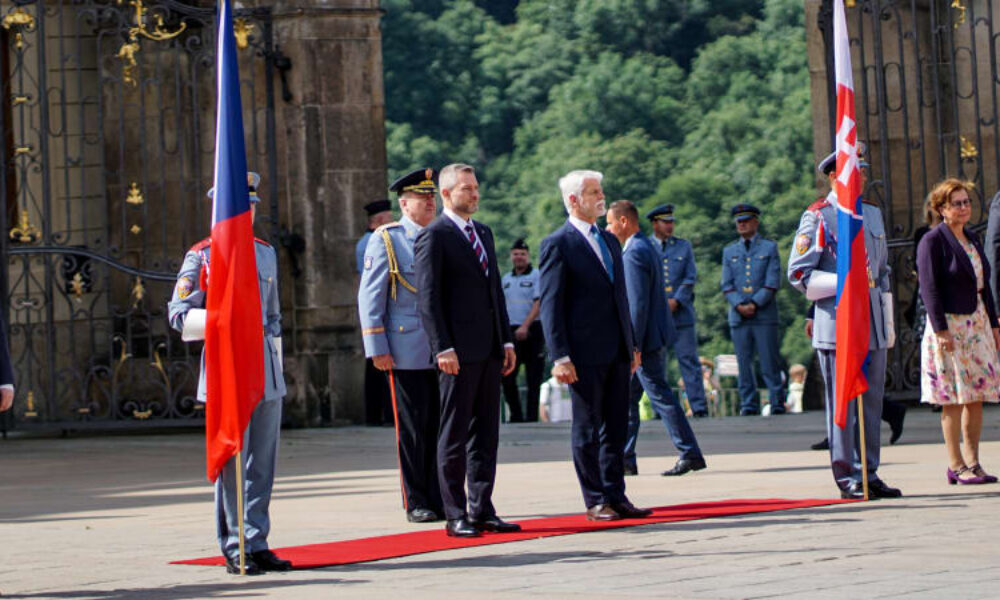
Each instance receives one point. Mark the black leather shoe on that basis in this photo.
(747, 412)
(631, 470)
(824, 445)
(777, 410)
(896, 423)
(879, 489)
(250, 567)
(496, 525)
(602, 512)
(269, 561)
(699, 414)
(684, 465)
(422, 515)
(627, 510)
(461, 528)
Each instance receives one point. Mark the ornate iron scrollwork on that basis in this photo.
(130, 48)
(19, 21)
(960, 6)
(24, 232)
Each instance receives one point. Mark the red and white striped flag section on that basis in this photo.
(852, 262)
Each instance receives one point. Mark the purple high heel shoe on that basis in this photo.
(969, 479)
(979, 471)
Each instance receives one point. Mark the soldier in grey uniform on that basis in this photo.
(378, 408)
(751, 274)
(679, 276)
(260, 443)
(396, 343)
(812, 269)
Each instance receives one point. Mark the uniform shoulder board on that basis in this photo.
(260, 241)
(818, 204)
(205, 243)
(391, 225)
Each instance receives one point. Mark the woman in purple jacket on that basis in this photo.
(959, 349)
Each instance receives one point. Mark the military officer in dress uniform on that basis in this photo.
(396, 343)
(378, 409)
(751, 274)
(679, 276)
(812, 269)
(260, 445)
(521, 292)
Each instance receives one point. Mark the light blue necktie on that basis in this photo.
(605, 253)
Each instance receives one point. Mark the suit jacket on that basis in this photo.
(584, 314)
(460, 307)
(6, 367)
(652, 322)
(808, 255)
(751, 276)
(947, 278)
(992, 245)
(188, 294)
(391, 324)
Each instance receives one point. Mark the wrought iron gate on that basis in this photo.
(106, 146)
(928, 85)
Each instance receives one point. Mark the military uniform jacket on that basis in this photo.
(679, 276)
(391, 325)
(813, 252)
(189, 293)
(751, 276)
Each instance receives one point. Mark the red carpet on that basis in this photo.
(418, 542)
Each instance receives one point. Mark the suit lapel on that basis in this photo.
(462, 240)
(957, 247)
(576, 237)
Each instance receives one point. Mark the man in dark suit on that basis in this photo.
(6, 373)
(586, 320)
(653, 326)
(462, 308)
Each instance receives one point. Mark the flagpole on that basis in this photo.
(239, 510)
(861, 440)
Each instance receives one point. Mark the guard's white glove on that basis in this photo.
(194, 325)
(822, 284)
(887, 318)
(277, 348)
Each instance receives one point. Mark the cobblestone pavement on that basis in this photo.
(100, 517)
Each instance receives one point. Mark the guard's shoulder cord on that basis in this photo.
(394, 273)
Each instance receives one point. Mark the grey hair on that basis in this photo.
(448, 176)
(571, 184)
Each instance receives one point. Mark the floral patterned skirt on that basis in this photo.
(968, 374)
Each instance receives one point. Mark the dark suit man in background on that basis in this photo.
(462, 309)
(6, 372)
(653, 326)
(589, 334)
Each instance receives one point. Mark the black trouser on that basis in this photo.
(530, 354)
(417, 414)
(378, 406)
(467, 442)
(600, 426)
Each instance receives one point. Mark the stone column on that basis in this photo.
(331, 146)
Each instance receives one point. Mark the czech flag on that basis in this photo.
(852, 262)
(234, 333)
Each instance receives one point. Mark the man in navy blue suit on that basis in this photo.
(584, 311)
(653, 326)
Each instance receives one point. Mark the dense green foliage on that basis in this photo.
(701, 103)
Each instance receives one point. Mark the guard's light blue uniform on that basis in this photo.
(520, 292)
(815, 250)
(392, 326)
(753, 275)
(359, 251)
(679, 276)
(260, 441)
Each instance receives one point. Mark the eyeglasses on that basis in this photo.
(960, 203)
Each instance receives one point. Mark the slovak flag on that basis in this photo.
(234, 333)
(852, 277)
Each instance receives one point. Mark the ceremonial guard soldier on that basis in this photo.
(679, 276)
(396, 343)
(812, 269)
(260, 443)
(751, 274)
